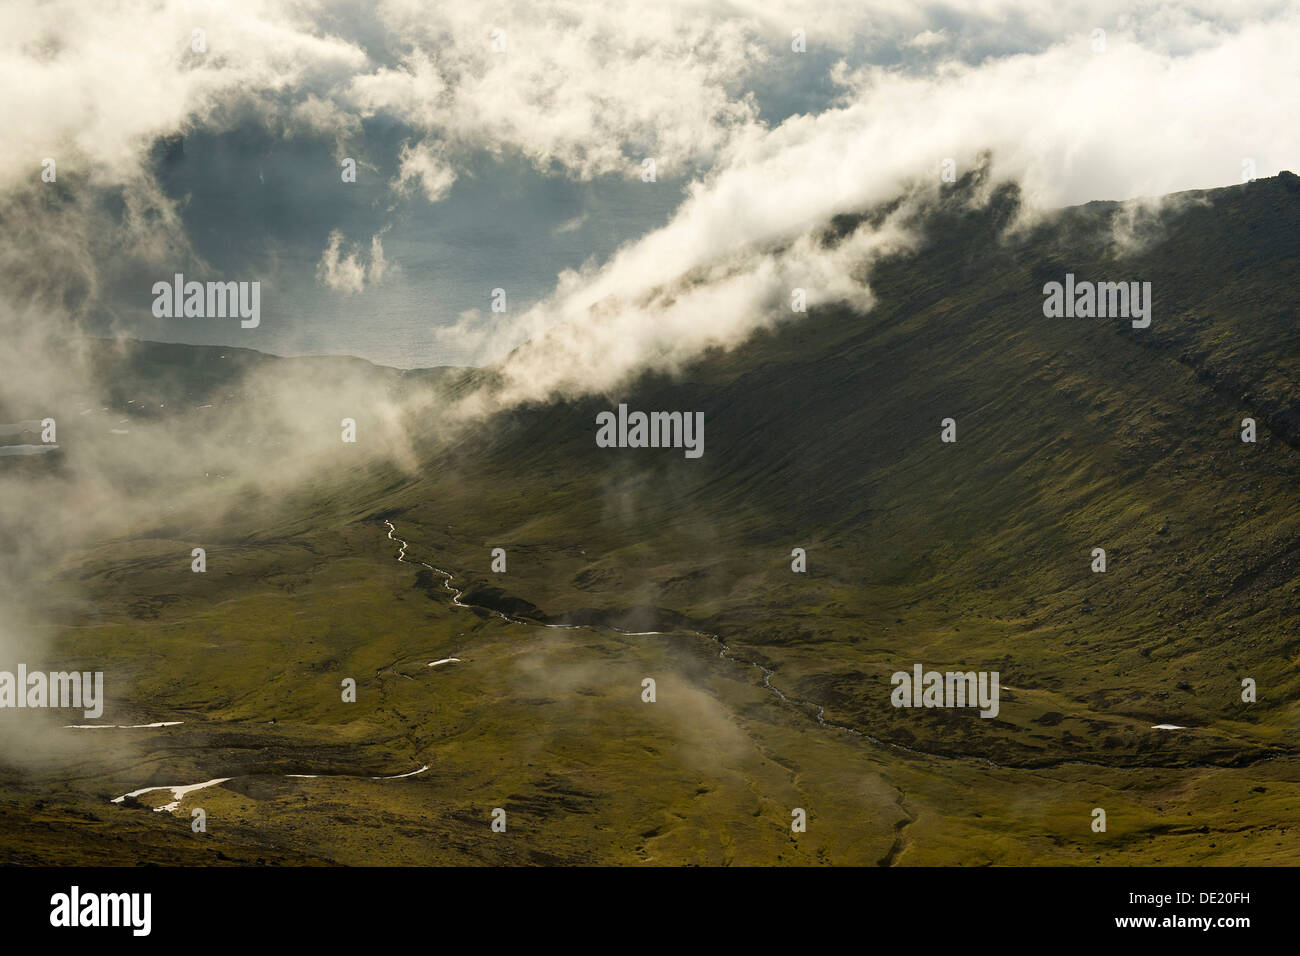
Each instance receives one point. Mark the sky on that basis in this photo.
(503, 146)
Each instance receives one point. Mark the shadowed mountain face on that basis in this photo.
(1072, 434)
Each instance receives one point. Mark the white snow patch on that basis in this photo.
(399, 776)
(178, 793)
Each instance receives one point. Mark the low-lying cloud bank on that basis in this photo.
(1069, 124)
(1095, 101)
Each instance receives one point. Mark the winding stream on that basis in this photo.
(724, 650)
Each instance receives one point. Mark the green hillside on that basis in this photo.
(823, 434)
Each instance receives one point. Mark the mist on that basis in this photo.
(754, 170)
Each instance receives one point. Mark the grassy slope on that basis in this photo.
(1073, 434)
(825, 435)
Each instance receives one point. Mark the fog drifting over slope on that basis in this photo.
(765, 144)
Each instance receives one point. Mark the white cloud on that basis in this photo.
(1184, 92)
(424, 166)
(92, 84)
(1068, 124)
(927, 39)
(347, 273)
